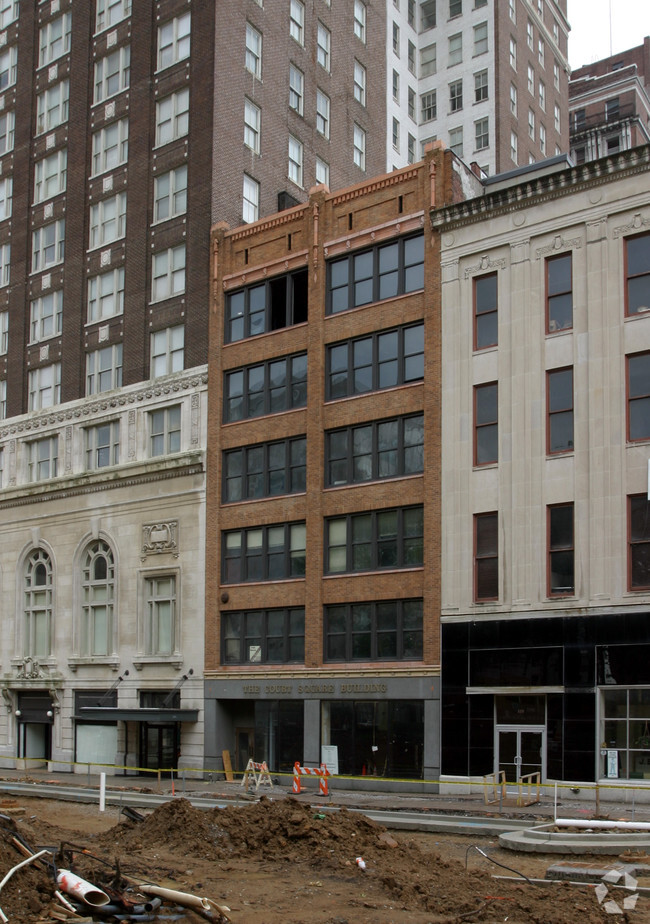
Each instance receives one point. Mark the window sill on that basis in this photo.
(111, 661)
(140, 661)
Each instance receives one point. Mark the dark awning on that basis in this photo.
(115, 714)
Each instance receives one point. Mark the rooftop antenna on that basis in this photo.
(610, 29)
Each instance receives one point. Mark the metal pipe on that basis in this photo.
(79, 888)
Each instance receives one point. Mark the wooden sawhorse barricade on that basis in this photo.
(494, 789)
(259, 773)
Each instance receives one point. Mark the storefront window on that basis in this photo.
(376, 738)
(625, 734)
(279, 734)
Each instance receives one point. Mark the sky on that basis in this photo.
(589, 39)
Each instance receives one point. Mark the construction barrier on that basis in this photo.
(321, 772)
(259, 773)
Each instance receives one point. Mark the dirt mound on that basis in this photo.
(28, 892)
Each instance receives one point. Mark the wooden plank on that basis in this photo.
(227, 766)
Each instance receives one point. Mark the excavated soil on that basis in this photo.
(285, 861)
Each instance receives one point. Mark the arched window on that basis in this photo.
(38, 605)
(98, 594)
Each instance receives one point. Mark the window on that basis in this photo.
(396, 86)
(427, 15)
(98, 594)
(638, 542)
(279, 302)
(395, 134)
(531, 124)
(637, 274)
(43, 458)
(50, 176)
(559, 389)
(542, 96)
(456, 140)
(167, 351)
(252, 116)
(263, 553)
(295, 160)
(104, 369)
(485, 311)
(486, 557)
(323, 44)
(39, 610)
(482, 130)
(107, 220)
(456, 96)
(374, 540)
(54, 39)
(359, 83)
(512, 10)
(46, 316)
(172, 117)
(529, 34)
(513, 99)
(559, 295)
(411, 13)
(44, 387)
(624, 725)
(384, 359)
(411, 103)
(8, 12)
(481, 38)
(322, 172)
(106, 295)
(638, 396)
(410, 148)
(531, 80)
(428, 61)
(275, 636)
(52, 107)
(253, 51)
(102, 445)
(360, 20)
(359, 147)
(428, 107)
(110, 12)
(296, 89)
(265, 470)
(165, 431)
(385, 271)
(48, 245)
(556, 117)
(556, 75)
(5, 264)
(170, 194)
(455, 48)
(110, 147)
(322, 114)
(7, 127)
(384, 630)
(3, 413)
(486, 424)
(513, 54)
(160, 618)
(480, 86)
(174, 41)
(168, 273)
(540, 51)
(455, 8)
(266, 388)
(542, 139)
(251, 200)
(561, 553)
(396, 39)
(297, 21)
(112, 74)
(513, 147)
(377, 449)
(4, 332)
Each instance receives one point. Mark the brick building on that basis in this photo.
(609, 104)
(323, 497)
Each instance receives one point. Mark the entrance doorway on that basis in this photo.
(159, 747)
(520, 751)
(244, 747)
(34, 743)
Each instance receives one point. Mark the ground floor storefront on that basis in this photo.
(380, 726)
(567, 697)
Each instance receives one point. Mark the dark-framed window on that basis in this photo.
(638, 526)
(381, 360)
(374, 540)
(264, 469)
(486, 556)
(385, 630)
(485, 311)
(486, 423)
(559, 293)
(559, 403)
(265, 388)
(269, 305)
(263, 553)
(638, 396)
(637, 274)
(561, 550)
(275, 636)
(384, 271)
(376, 449)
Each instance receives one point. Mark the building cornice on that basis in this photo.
(542, 188)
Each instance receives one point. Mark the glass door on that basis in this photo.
(520, 751)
